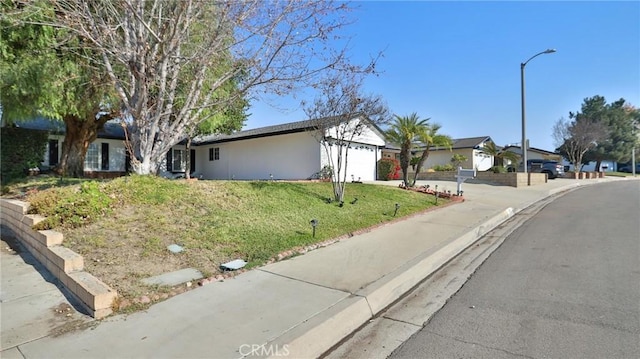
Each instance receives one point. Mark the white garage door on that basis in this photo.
(361, 163)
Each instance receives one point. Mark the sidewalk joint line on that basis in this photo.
(368, 306)
(303, 281)
(20, 351)
(27, 342)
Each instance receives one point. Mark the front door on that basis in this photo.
(53, 152)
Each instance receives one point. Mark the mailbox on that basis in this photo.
(464, 174)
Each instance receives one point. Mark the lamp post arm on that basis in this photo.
(547, 51)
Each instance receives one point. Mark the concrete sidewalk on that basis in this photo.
(32, 306)
(302, 306)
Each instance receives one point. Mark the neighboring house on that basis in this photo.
(534, 154)
(289, 151)
(471, 148)
(106, 156)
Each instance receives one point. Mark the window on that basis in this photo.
(92, 160)
(214, 154)
(178, 161)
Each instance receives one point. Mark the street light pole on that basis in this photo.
(523, 145)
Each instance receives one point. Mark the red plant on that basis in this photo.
(389, 169)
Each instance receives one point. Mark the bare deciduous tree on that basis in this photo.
(574, 138)
(166, 58)
(345, 114)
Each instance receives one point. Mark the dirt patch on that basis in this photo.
(66, 319)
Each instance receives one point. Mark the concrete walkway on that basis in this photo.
(302, 306)
(32, 306)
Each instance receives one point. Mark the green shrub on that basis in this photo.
(498, 169)
(44, 202)
(388, 169)
(68, 208)
(442, 168)
(21, 150)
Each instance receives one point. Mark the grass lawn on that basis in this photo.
(122, 227)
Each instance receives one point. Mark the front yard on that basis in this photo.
(122, 227)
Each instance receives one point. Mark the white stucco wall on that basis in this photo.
(443, 157)
(475, 159)
(117, 154)
(291, 156)
(363, 133)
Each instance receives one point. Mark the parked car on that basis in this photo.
(627, 168)
(553, 169)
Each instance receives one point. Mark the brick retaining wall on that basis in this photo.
(513, 179)
(66, 265)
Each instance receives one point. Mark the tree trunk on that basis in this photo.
(78, 136)
(404, 166)
(146, 158)
(421, 161)
(598, 163)
(143, 167)
(187, 171)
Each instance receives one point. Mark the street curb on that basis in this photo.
(320, 333)
(389, 288)
(317, 335)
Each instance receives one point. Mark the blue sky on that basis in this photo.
(458, 63)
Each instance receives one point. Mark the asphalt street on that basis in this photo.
(566, 284)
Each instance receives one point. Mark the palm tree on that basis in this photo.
(491, 149)
(430, 137)
(404, 131)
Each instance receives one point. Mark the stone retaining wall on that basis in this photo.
(66, 265)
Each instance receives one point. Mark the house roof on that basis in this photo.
(458, 143)
(110, 130)
(519, 150)
(41, 124)
(285, 128)
(113, 130)
(470, 142)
